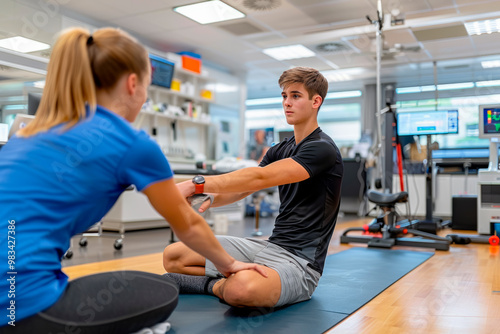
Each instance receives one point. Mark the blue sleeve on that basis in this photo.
(316, 157)
(144, 164)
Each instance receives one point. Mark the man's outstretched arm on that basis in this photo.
(251, 179)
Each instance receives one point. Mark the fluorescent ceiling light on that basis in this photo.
(483, 27)
(490, 63)
(264, 101)
(263, 113)
(408, 90)
(489, 83)
(416, 89)
(5, 99)
(39, 84)
(332, 76)
(343, 95)
(430, 88)
(15, 107)
(462, 85)
(21, 44)
(342, 75)
(289, 52)
(209, 12)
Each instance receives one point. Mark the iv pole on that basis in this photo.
(380, 148)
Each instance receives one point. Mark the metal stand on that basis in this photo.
(257, 201)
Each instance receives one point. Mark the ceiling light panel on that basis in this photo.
(289, 52)
(21, 44)
(483, 27)
(209, 12)
(490, 63)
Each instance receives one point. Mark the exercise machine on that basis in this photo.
(387, 232)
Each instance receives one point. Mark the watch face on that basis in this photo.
(198, 179)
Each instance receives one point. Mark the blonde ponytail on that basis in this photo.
(79, 66)
(69, 85)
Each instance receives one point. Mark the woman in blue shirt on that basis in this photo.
(64, 171)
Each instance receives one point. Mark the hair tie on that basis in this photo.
(90, 40)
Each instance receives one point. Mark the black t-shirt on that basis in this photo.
(308, 210)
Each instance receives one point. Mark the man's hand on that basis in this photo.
(186, 188)
(238, 265)
(204, 207)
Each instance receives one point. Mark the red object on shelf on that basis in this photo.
(191, 64)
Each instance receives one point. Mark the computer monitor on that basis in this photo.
(489, 121)
(20, 122)
(33, 102)
(162, 71)
(285, 134)
(417, 123)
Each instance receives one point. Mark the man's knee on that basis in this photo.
(239, 289)
(243, 289)
(171, 257)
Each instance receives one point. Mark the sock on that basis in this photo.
(189, 284)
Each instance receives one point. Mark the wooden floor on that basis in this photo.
(456, 291)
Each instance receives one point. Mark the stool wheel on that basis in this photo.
(118, 244)
(68, 254)
(83, 242)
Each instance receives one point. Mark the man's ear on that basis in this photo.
(131, 83)
(317, 100)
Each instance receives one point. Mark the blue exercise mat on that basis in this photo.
(350, 279)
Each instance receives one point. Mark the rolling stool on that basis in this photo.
(83, 242)
(390, 231)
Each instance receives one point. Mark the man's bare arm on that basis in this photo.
(251, 179)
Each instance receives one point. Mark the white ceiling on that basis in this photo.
(337, 30)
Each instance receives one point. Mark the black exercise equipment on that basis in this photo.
(390, 231)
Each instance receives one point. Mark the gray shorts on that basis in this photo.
(298, 281)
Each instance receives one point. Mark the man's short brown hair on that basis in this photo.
(314, 82)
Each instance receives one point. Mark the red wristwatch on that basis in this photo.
(199, 184)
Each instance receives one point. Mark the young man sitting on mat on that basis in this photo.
(308, 169)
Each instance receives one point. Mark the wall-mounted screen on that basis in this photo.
(162, 71)
(33, 102)
(489, 121)
(417, 123)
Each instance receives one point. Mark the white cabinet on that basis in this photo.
(445, 187)
(133, 211)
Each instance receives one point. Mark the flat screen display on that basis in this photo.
(417, 123)
(489, 121)
(162, 71)
(33, 102)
